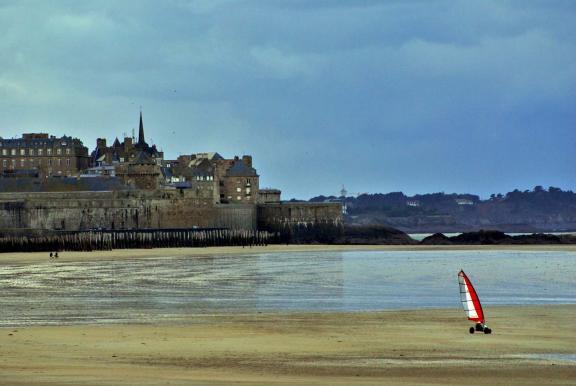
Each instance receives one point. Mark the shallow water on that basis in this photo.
(151, 290)
(552, 357)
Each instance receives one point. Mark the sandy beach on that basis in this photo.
(529, 345)
(32, 257)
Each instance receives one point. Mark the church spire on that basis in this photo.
(141, 140)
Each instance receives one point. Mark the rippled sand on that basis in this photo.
(529, 346)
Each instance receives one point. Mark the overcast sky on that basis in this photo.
(407, 95)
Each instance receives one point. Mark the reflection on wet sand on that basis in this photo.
(150, 290)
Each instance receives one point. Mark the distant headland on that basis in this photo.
(536, 210)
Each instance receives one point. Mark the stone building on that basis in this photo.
(268, 196)
(141, 172)
(233, 181)
(137, 164)
(41, 155)
(125, 151)
(239, 182)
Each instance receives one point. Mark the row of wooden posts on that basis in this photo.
(98, 240)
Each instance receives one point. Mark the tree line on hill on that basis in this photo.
(538, 209)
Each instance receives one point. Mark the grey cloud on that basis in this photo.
(379, 95)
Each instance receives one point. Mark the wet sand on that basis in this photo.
(392, 347)
(32, 257)
(530, 344)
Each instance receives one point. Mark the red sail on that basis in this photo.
(469, 299)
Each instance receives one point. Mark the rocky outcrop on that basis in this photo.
(436, 239)
(492, 237)
(374, 234)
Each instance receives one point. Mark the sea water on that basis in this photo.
(150, 290)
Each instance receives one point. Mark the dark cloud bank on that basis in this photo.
(417, 96)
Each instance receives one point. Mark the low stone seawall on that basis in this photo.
(286, 213)
(302, 222)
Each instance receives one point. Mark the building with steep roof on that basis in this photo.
(42, 155)
(125, 151)
(232, 180)
(138, 164)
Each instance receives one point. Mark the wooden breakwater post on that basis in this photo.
(102, 240)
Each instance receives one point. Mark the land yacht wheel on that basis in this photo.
(472, 330)
(487, 331)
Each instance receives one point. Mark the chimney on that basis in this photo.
(247, 159)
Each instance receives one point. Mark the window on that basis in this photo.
(13, 151)
(238, 190)
(59, 161)
(4, 163)
(247, 191)
(49, 151)
(31, 152)
(39, 151)
(22, 151)
(238, 198)
(68, 151)
(58, 151)
(68, 162)
(4, 152)
(49, 161)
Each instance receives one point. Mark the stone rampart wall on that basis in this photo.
(298, 213)
(73, 211)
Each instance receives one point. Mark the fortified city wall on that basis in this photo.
(302, 222)
(155, 209)
(73, 211)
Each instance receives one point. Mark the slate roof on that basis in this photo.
(239, 169)
(142, 158)
(39, 142)
(166, 172)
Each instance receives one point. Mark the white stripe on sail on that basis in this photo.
(466, 299)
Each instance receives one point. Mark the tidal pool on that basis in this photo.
(170, 289)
